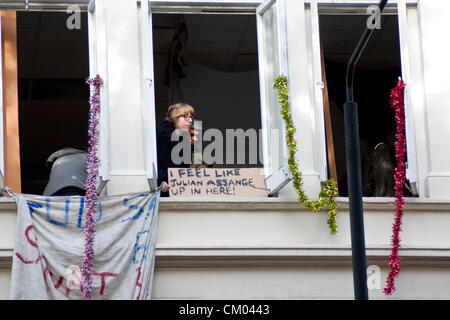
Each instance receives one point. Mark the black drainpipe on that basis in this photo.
(354, 172)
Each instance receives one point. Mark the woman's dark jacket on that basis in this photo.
(164, 149)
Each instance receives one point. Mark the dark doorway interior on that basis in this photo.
(53, 65)
(214, 68)
(376, 74)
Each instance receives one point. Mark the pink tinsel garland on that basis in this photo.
(91, 191)
(397, 102)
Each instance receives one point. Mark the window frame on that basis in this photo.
(148, 93)
(97, 65)
(359, 8)
(2, 143)
(278, 177)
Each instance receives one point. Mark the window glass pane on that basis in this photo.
(210, 61)
(272, 70)
(376, 74)
(53, 65)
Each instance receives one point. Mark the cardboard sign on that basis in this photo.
(211, 182)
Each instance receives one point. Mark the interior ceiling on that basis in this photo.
(228, 42)
(340, 35)
(47, 49)
(224, 42)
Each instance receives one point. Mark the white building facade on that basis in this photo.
(271, 248)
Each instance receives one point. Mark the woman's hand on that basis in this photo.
(194, 133)
(165, 187)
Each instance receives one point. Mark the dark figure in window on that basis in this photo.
(178, 119)
(68, 174)
(378, 172)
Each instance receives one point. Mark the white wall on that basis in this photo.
(125, 114)
(434, 16)
(302, 101)
(293, 283)
(277, 249)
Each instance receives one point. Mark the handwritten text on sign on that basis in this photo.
(208, 182)
(49, 247)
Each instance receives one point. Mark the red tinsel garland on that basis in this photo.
(397, 102)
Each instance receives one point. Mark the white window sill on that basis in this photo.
(190, 203)
(381, 203)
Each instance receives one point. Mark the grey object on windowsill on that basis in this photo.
(68, 170)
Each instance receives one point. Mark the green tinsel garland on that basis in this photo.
(328, 188)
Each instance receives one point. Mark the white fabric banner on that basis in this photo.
(49, 247)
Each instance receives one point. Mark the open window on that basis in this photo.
(334, 30)
(222, 59)
(273, 62)
(56, 47)
(53, 63)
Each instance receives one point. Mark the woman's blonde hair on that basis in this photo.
(178, 109)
